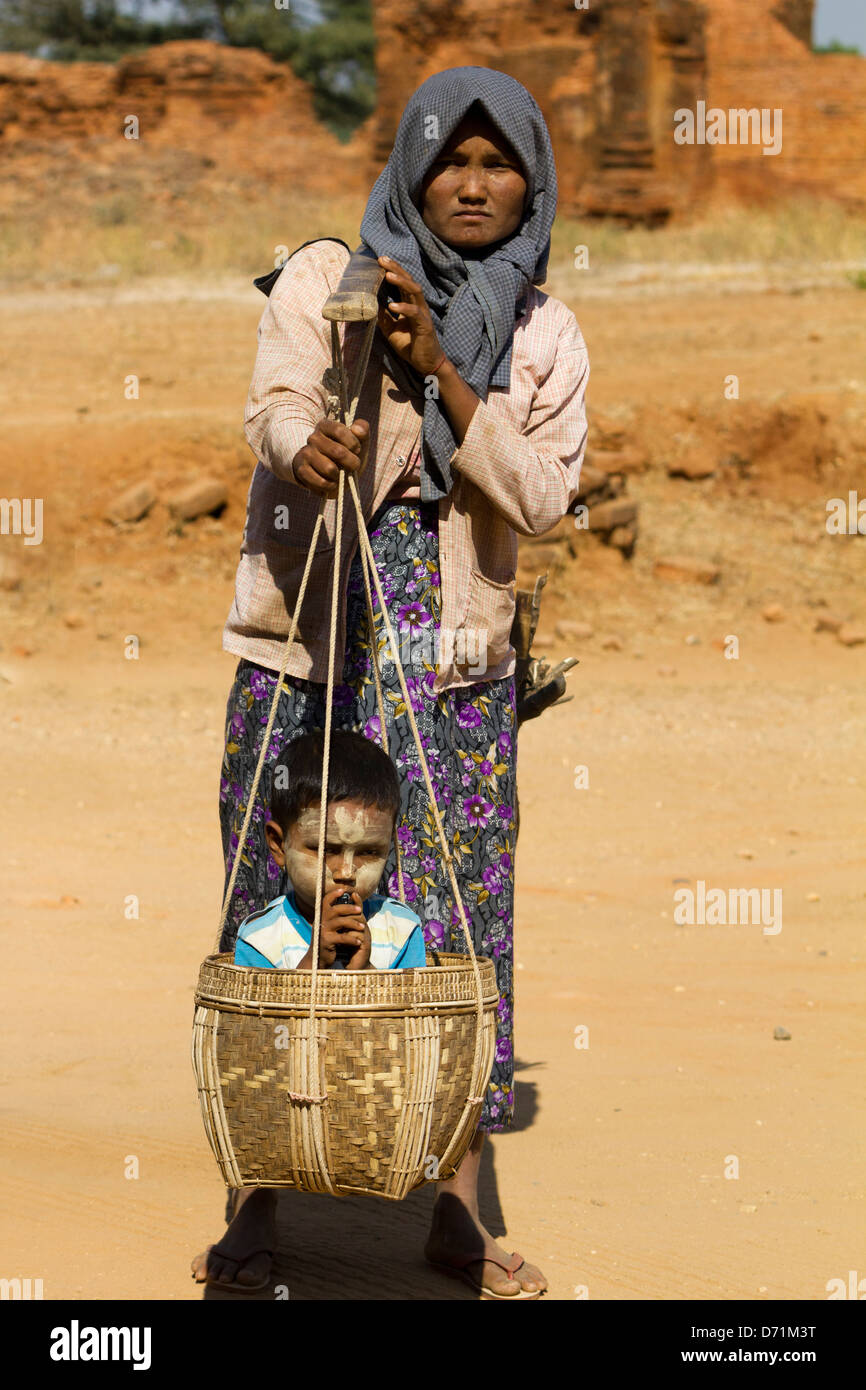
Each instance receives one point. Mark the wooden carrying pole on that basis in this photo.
(356, 297)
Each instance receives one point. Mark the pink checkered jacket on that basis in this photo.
(516, 473)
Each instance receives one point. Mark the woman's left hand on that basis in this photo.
(409, 330)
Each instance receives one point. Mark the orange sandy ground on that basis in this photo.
(614, 1177)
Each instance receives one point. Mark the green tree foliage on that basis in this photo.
(329, 43)
(92, 30)
(338, 58)
(252, 24)
(835, 46)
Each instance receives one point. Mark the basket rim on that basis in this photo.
(455, 961)
(446, 988)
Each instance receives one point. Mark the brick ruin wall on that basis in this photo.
(230, 109)
(609, 79)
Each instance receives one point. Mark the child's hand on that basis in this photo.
(344, 925)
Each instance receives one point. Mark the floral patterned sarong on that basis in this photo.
(469, 738)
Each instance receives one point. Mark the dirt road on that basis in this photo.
(619, 1176)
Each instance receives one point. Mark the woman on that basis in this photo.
(470, 430)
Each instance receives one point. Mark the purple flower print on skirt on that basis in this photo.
(477, 810)
(373, 729)
(465, 732)
(410, 888)
(411, 615)
(434, 934)
(468, 717)
(260, 685)
(491, 879)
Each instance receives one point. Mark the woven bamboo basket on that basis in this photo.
(396, 1051)
(344, 1081)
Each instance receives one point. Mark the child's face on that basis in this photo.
(358, 839)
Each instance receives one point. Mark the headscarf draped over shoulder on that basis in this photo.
(474, 302)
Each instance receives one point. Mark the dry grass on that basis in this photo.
(799, 231)
(128, 235)
(82, 232)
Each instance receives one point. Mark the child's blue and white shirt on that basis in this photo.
(279, 936)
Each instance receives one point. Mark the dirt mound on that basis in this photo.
(791, 450)
(194, 114)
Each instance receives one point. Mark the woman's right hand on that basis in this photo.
(329, 448)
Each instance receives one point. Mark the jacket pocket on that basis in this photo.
(486, 629)
(279, 574)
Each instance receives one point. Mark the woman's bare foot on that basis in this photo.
(456, 1234)
(245, 1253)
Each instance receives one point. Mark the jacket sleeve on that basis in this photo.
(286, 396)
(531, 476)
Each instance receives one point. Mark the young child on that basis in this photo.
(367, 931)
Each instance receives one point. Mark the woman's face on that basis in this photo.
(474, 191)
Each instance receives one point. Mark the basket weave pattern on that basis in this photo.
(396, 1053)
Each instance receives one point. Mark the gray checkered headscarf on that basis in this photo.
(473, 302)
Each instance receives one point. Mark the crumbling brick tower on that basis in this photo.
(610, 77)
(650, 60)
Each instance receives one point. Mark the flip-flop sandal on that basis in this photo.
(233, 1287)
(459, 1269)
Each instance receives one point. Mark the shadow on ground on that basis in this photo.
(358, 1248)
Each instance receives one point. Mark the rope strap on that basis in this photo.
(346, 407)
